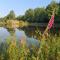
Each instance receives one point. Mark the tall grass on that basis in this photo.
(49, 50)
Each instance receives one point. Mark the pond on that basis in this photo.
(4, 34)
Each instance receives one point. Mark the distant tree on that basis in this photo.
(29, 15)
(52, 6)
(1, 19)
(59, 8)
(21, 17)
(11, 15)
(40, 15)
(57, 16)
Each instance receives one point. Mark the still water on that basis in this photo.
(4, 34)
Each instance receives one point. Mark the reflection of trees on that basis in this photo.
(34, 32)
(11, 31)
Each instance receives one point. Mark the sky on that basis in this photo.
(20, 6)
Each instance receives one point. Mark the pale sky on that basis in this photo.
(20, 6)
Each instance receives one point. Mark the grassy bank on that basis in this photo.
(49, 50)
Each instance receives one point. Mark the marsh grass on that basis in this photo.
(49, 50)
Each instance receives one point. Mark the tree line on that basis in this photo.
(37, 14)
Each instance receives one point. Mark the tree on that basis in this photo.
(52, 6)
(11, 15)
(21, 17)
(57, 17)
(40, 15)
(29, 15)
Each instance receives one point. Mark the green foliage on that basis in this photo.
(12, 51)
(49, 50)
(10, 16)
(53, 6)
(40, 15)
(36, 15)
(21, 17)
(29, 15)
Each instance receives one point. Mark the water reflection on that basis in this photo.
(4, 34)
(19, 34)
